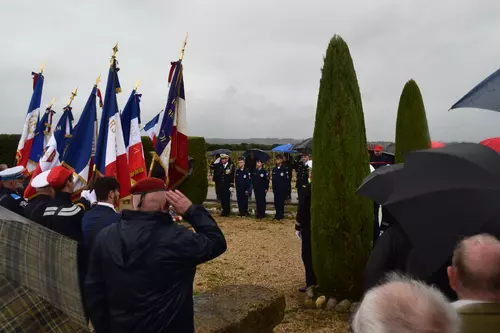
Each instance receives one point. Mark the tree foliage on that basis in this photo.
(195, 187)
(341, 223)
(412, 131)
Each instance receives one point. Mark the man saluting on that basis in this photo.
(141, 270)
(225, 170)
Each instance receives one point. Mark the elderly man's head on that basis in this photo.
(475, 270)
(405, 306)
(149, 195)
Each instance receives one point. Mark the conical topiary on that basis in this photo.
(412, 131)
(341, 220)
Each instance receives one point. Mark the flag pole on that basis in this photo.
(183, 47)
(72, 97)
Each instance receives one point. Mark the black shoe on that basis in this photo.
(303, 289)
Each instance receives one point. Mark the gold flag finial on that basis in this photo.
(51, 103)
(98, 80)
(137, 84)
(115, 49)
(183, 47)
(72, 97)
(42, 67)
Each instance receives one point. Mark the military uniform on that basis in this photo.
(36, 208)
(12, 201)
(289, 169)
(243, 187)
(225, 184)
(280, 189)
(260, 183)
(302, 177)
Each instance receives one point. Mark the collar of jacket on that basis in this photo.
(63, 197)
(134, 215)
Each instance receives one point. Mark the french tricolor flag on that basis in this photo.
(31, 121)
(53, 152)
(151, 128)
(111, 153)
(131, 120)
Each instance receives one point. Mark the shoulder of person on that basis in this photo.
(70, 210)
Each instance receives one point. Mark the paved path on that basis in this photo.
(269, 197)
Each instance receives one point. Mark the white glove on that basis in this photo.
(217, 160)
(298, 234)
(231, 189)
(90, 196)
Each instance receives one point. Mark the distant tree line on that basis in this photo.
(238, 147)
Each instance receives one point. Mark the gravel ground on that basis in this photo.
(267, 253)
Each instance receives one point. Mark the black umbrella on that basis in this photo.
(220, 151)
(378, 185)
(442, 195)
(258, 153)
(304, 147)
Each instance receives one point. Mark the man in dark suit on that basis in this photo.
(225, 186)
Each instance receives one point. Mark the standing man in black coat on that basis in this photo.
(301, 168)
(11, 196)
(287, 163)
(280, 187)
(37, 204)
(243, 186)
(141, 270)
(226, 183)
(260, 183)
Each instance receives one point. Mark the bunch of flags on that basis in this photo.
(112, 148)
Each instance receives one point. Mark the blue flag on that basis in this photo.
(39, 139)
(486, 95)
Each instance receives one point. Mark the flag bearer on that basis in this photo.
(10, 197)
(225, 170)
(280, 187)
(243, 186)
(260, 183)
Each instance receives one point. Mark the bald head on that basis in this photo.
(150, 202)
(402, 305)
(475, 270)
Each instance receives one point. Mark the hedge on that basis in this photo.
(412, 131)
(8, 148)
(195, 187)
(341, 220)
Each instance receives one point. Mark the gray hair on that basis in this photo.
(403, 305)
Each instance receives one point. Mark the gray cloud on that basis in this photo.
(252, 68)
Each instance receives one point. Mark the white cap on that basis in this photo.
(40, 181)
(12, 173)
(372, 168)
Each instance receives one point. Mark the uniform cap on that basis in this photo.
(224, 156)
(148, 185)
(58, 176)
(378, 148)
(40, 181)
(12, 173)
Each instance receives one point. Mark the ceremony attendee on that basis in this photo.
(303, 231)
(44, 194)
(107, 191)
(287, 163)
(243, 186)
(225, 170)
(302, 173)
(215, 174)
(10, 197)
(403, 305)
(2, 168)
(251, 162)
(475, 276)
(142, 268)
(260, 184)
(280, 187)
(61, 214)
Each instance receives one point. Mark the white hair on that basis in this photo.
(403, 305)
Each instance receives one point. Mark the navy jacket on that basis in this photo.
(280, 179)
(243, 180)
(260, 180)
(104, 216)
(141, 271)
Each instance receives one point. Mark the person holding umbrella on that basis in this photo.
(280, 187)
(260, 181)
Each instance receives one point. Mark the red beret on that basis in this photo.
(378, 148)
(58, 175)
(148, 185)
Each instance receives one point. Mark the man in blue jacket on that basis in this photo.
(243, 186)
(280, 187)
(142, 268)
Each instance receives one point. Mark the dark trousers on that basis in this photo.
(307, 259)
(225, 200)
(298, 193)
(217, 190)
(376, 225)
(279, 203)
(260, 201)
(242, 198)
(289, 189)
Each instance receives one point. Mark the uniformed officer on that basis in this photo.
(243, 186)
(37, 204)
(287, 163)
(10, 198)
(302, 173)
(216, 175)
(280, 187)
(260, 183)
(225, 184)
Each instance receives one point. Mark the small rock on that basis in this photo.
(343, 306)
(332, 302)
(320, 301)
(354, 307)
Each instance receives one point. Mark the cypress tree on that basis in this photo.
(195, 187)
(341, 221)
(412, 131)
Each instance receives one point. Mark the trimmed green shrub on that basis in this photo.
(341, 220)
(8, 148)
(412, 131)
(195, 187)
(147, 146)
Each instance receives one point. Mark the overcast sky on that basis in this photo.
(252, 68)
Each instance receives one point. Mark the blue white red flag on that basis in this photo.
(80, 152)
(131, 120)
(171, 147)
(111, 154)
(54, 150)
(151, 129)
(31, 121)
(39, 143)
